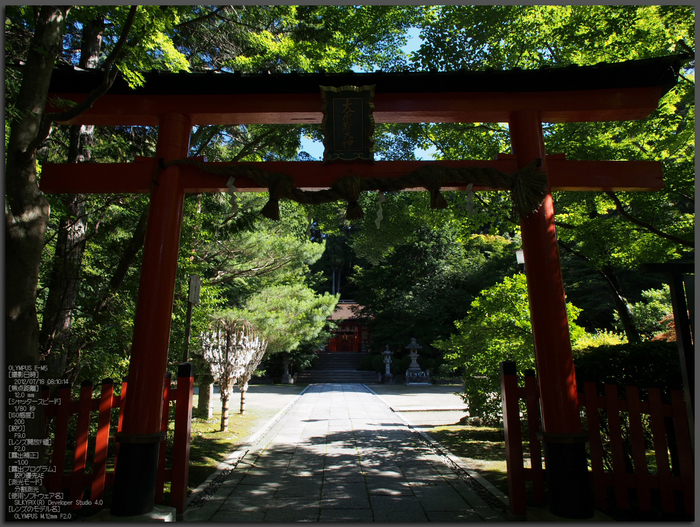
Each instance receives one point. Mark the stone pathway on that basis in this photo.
(339, 453)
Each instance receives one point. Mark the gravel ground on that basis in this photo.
(424, 406)
(262, 400)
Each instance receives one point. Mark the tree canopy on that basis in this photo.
(85, 309)
(73, 261)
(610, 234)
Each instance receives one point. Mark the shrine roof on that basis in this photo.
(660, 72)
(346, 311)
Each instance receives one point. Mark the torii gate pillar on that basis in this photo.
(139, 440)
(569, 484)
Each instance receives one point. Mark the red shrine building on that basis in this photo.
(352, 333)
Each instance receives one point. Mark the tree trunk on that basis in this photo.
(27, 213)
(101, 312)
(244, 389)
(224, 410)
(92, 42)
(621, 305)
(128, 257)
(206, 384)
(63, 289)
(62, 356)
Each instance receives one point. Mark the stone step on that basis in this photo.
(339, 376)
(325, 373)
(338, 361)
(340, 367)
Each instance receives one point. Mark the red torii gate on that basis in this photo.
(523, 99)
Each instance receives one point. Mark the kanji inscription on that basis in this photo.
(348, 123)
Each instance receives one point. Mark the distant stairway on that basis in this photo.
(338, 367)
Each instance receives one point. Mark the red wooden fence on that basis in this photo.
(87, 488)
(518, 473)
(624, 475)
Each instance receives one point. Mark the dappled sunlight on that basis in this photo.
(369, 467)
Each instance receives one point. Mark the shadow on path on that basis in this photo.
(340, 454)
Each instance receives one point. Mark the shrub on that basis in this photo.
(597, 339)
(650, 313)
(497, 328)
(645, 365)
(373, 362)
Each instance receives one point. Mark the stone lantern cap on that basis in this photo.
(414, 345)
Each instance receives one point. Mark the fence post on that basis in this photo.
(658, 432)
(641, 470)
(122, 398)
(612, 402)
(181, 444)
(514, 450)
(533, 423)
(160, 477)
(102, 441)
(595, 443)
(81, 444)
(685, 450)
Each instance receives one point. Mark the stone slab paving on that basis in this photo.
(340, 454)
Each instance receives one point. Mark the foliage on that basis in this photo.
(243, 258)
(650, 364)
(289, 315)
(650, 313)
(532, 36)
(599, 338)
(285, 38)
(407, 214)
(337, 263)
(608, 232)
(497, 328)
(442, 272)
(195, 38)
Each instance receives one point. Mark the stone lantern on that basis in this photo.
(413, 348)
(414, 375)
(387, 360)
(287, 378)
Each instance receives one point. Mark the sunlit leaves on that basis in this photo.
(504, 37)
(286, 38)
(496, 328)
(652, 314)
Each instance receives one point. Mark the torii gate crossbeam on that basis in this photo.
(525, 100)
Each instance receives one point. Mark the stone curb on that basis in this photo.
(397, 409)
